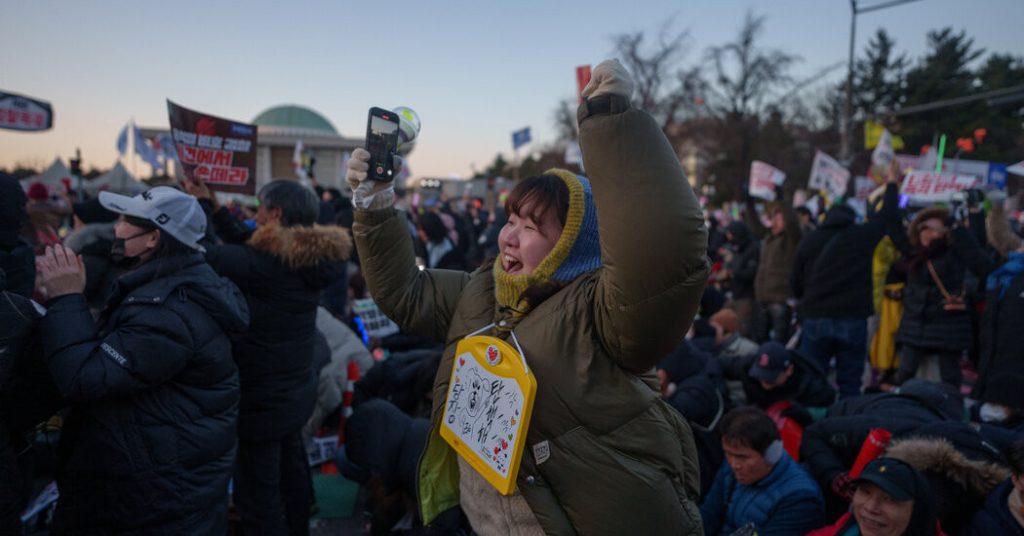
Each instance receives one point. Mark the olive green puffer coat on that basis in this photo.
(621, 460)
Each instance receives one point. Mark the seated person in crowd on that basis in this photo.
(760, 488)
(1003, 512)
(890, 498)
(727, 344)
(775, 374)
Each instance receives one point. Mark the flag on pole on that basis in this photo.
(164, 144)
(873, 134)
(582, 79)
(143, 149)
(122, 141)
(520, 137)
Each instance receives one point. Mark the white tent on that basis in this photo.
(51, 177)
(117, 180)
(1016, 169)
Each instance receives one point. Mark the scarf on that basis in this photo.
(1002, 277)
(577, 251)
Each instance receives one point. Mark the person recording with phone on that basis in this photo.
(936, 321)
(586, 285)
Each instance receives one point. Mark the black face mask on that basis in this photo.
(117, 252)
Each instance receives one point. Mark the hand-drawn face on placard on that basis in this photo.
(485, 411)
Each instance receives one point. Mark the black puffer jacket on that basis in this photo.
(27, 396)
(832, 270)
(746, 252)
(925, 324)
(281, 271)
(148, 446)
(1001, 370)
(18, 260)
(16, 256)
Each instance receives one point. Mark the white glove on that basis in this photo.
(609, 78)
(369, 194)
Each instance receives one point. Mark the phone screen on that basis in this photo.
(382, 127)
(381, 141)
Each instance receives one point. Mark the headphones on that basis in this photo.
(773, 453)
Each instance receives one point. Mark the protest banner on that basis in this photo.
(923, 187)
(763, 180)
(219, 152)
(829, 175)
(18, 112)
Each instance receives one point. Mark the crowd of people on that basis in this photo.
(169, 359)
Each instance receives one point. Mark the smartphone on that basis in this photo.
(381, 142)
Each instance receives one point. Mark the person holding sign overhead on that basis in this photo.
(550, 349)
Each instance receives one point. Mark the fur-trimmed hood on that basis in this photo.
(930, 213)
(941, 457)
(302, 247)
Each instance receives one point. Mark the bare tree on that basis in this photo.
(744, 75)
(664, 87)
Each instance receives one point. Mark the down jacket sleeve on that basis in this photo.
(419, 301)
(147, 346)
(653, 238)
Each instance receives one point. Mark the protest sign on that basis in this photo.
(374, 321)
(883, 153)
(763, 180)
(829, 175)
(863, 187)
(219, 152)
(924, 187)
(18, 112)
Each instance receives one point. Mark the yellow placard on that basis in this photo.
(488, 408)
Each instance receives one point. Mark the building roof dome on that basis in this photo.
(293, 116)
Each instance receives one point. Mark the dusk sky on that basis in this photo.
(474, 71)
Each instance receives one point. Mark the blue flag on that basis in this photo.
(144, 149)
(122, 141)
(520, 138)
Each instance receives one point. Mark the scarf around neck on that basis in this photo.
(577, 251)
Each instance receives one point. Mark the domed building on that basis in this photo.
(281, 127)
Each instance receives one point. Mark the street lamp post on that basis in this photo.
(846, 121)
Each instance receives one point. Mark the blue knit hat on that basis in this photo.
(577, 251)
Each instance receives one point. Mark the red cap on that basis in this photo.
(38, 191)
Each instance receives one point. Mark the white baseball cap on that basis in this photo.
(173, 211)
